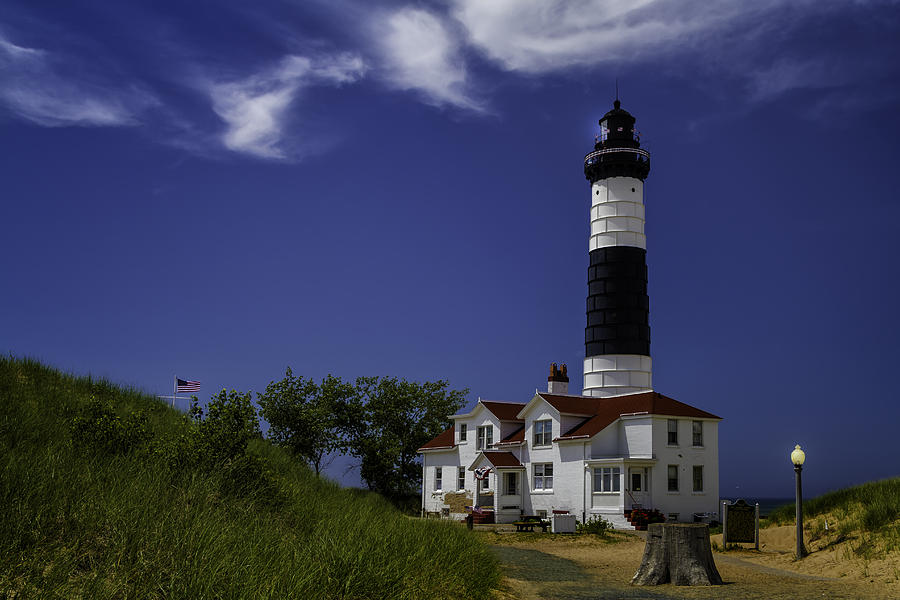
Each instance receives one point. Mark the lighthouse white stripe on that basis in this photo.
(617, 213)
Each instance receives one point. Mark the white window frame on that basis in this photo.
(539, 476)
(463, 430)
(607, 480)
(695, 435)
(669, 479)
(438, 479)
(669, 432)
(542, 433)
(485, 437)
(694, 483)
(485, 483)
(461, 478)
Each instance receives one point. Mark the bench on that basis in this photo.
(529, 523)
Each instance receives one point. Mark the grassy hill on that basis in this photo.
(867, 517)
(85, 518)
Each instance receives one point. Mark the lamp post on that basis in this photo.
(798, 456)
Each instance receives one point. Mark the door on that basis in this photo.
(637, 488)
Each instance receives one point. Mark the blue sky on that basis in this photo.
(223, 189)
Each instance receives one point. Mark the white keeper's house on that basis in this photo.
(619, 445)
(578, 454)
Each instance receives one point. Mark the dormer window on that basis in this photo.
(543, 432)
(462, 432)
(485, 437)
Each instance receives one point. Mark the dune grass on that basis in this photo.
(77, 524)
(868, 513)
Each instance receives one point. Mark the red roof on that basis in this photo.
(502, 459)
(598, 414)
(515, 437)
(443, 440)
(607, 410)
(505, 411)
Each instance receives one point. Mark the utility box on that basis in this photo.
(563, 524)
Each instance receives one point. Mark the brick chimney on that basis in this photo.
(558, 381)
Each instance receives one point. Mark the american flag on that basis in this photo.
(186, 386)
(482, 472)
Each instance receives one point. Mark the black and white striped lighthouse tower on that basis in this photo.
(617, 336)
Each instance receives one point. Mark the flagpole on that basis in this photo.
(174, 390)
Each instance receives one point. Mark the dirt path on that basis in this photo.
(573, 568)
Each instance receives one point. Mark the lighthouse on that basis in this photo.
(617, 336)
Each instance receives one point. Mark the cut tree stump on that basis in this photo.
(678, 553)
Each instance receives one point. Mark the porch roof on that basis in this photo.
(498, 460)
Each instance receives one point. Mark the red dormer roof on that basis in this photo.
(444, 440)
(505, 411)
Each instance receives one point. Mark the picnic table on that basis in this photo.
(529, 523)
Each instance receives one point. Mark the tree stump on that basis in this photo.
(678, 553)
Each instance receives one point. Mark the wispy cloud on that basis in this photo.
(752, 44)
(539, 36)
(255, 109)
(422, 53)
(38, 86)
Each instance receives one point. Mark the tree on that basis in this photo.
(389, 421)
(304, 416)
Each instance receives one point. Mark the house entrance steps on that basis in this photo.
(618, 520)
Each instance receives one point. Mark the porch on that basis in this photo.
(617, 486)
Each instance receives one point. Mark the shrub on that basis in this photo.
(98, 428)
(596, 525)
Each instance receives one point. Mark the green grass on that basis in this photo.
(76, 524)
(868, 513)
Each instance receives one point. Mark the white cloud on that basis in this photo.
(36, 86)
(537, 36)
(422, 53)
(255, 108)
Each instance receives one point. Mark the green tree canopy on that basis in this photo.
(389, 421)
(306, 417)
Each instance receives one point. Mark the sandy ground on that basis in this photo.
(562, 567)
(827, 557)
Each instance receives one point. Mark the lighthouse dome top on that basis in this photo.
(618, 113)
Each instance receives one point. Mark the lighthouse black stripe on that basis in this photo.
(617, 303)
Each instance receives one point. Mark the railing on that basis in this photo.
(639, 152)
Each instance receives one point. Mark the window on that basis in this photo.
(485, 485)
(543, 476)
(673, 432)
(698, 478)
(485, 437)
(510, 484)
(438, 473)
(697, 428)
(673, 478)
(607, 479)
(461, 479)
(462, 432)
(542, 432)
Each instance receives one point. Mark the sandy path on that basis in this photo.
(574, 568)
